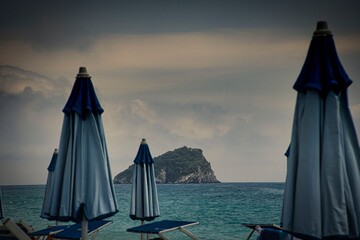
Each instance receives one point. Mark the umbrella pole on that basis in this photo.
(84, 229)
(142, 235)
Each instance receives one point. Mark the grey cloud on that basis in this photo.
(30, 128)
(29, 120)
(30, 124)
(16, 80)
(189, 120)
(76, 24)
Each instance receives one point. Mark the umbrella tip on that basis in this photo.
(83, 73)
(56, 150)
(143, 141)
(322, 29)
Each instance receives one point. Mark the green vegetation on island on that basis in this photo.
(182, 165)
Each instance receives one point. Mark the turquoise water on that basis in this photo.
(220, 208)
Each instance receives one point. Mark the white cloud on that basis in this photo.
(201, 127)
(199, 121)
(190, 128)
(141, 110)
(14, 80)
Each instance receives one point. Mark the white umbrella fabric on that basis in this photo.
(49, 186)
(83, 189)
(144, 198)
(322, 194)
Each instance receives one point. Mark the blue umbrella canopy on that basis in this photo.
(49, 186)
(322, 194)
(322, 70)
(83, 187)
(144, 200)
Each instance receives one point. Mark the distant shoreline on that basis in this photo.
(32, 185)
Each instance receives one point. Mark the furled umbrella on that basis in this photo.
(1, 207)
(49, 186)
(144, 198)
(322, 193)
(83, 189)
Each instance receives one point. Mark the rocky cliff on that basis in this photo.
(183, 165)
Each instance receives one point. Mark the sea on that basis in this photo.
(219, 208)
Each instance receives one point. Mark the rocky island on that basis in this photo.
(182, 165)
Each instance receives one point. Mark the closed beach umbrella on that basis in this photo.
(1, 207)
(83, 189)
(322, 193)
(49, 186)
(144, 199)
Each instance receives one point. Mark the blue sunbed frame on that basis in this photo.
(253, 226)
(71, 231)
(165, 226)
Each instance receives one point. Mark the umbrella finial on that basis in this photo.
(143, 141)
(83, 73)
(56, 151)
(322, 29)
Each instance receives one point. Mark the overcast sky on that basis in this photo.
(215, 75)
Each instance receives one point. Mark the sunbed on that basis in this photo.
(48, 232)
(161, 227)
(269, 232)
(71, 231)
(254, 227)
(11, 230)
